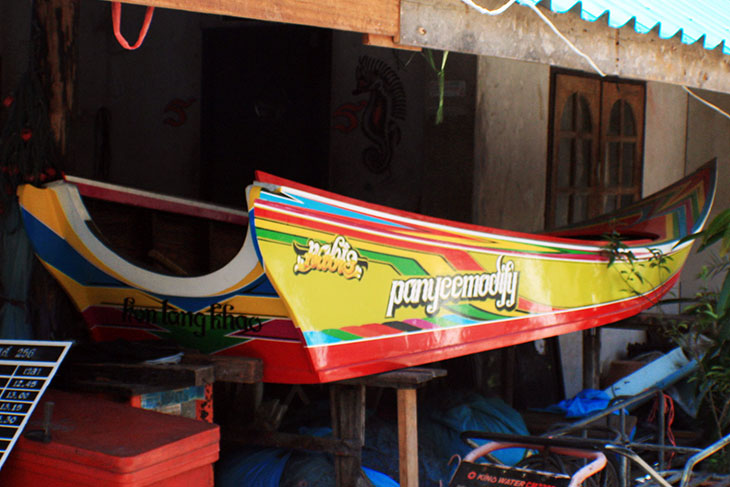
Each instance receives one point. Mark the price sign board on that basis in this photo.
(26, 369)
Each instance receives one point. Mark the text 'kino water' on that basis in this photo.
(433, 292)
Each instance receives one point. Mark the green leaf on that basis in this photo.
(724, 323)
(687, 238)
(725, 241)
(716, 229)
(723, 299)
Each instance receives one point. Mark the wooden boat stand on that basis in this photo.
(347, 405)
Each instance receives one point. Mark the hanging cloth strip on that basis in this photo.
(669, 413)
(116, 20)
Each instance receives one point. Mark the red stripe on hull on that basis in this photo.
(286, 362)
(460, 259)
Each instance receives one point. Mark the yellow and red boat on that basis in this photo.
(328, 288)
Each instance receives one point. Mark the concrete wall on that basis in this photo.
(665, 129)
(708, 136)
(511, 165)
(510, 144)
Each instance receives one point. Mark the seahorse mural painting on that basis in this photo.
(385, 106)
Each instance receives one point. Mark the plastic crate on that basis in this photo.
(97, 442)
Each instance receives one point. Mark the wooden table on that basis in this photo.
(406, 382)
(347, 405)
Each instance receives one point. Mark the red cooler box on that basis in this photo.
(99, 443)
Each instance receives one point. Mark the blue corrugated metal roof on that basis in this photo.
(694, 18)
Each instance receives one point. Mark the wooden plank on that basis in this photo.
(241, 370)
(167, 375)
(385, 41)
(372, 16)
(521, 35)
(408, 437)
(591, 355)
(412, 377)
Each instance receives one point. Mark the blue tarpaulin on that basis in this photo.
(585, 403)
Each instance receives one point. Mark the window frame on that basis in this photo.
(602, 94)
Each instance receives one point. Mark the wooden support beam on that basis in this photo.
(591, 358)
(386, 41)
(372, 16)
(241, 370)
(55, 26)
(347, 404)
(408, 437)
(406, 382)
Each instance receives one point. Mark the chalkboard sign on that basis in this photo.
(26, 369)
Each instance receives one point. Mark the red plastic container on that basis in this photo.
(99, 443)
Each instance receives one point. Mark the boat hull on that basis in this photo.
(330, 288)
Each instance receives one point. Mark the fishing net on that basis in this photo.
(28, 154)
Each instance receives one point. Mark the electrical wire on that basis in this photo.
(565, 39)
(575, 49)
(705, 102)
(486, 11)
(542, 16)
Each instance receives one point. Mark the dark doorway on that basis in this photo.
(265, 105)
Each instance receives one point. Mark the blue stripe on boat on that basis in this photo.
(319, 338)
(59, 254)
(328, 209)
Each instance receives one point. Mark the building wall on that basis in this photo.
(376, 157)
(511, 165)
(152, 144)
(665, 129)
(708, 136)
(134, 89)
(510, 144)
(429, 169)
(14, 43)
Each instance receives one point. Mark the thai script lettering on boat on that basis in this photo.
(338, 257)
(433, 292)
(218, 317)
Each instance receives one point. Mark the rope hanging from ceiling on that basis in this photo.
(117, 19)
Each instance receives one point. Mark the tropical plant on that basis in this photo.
(706, 335)
(633, 272)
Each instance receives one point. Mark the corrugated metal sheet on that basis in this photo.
(692, 19)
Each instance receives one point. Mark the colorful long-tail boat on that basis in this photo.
(328, 288)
